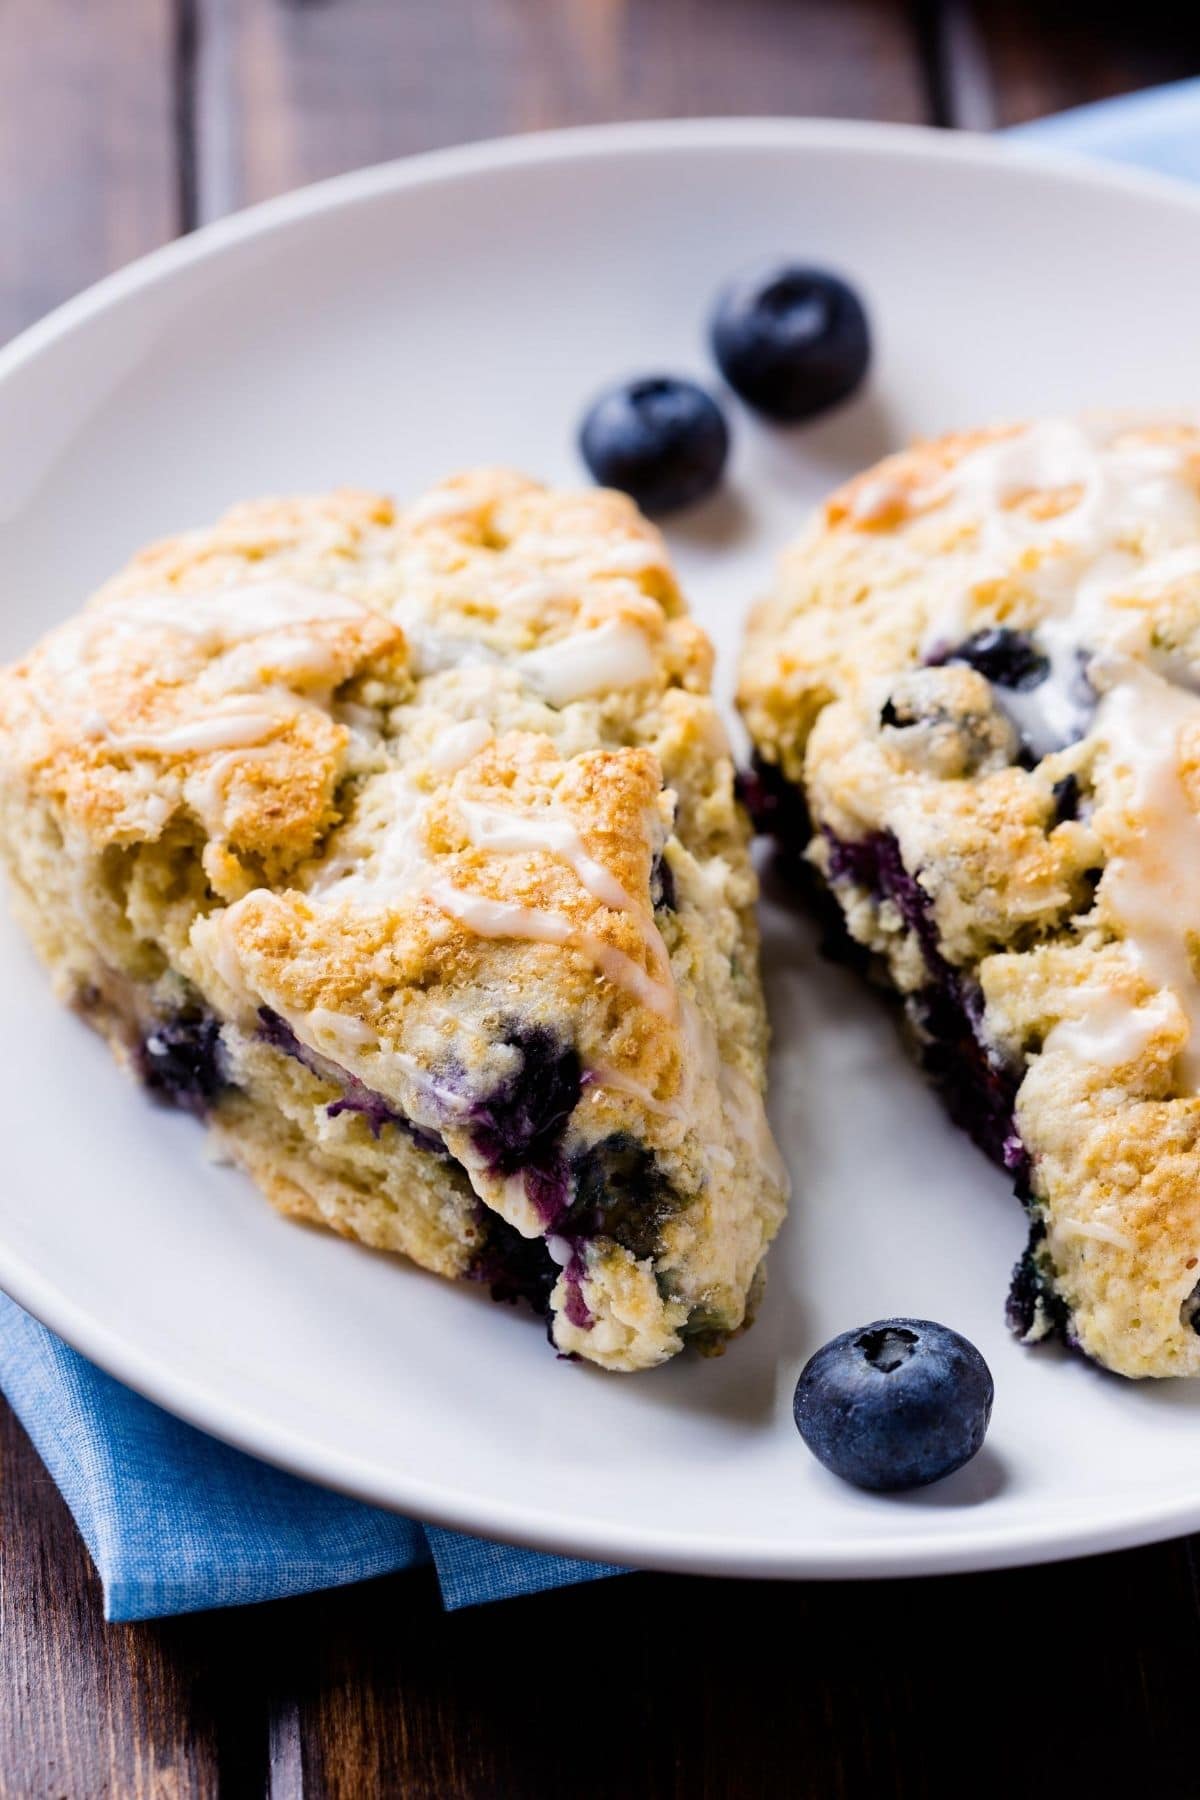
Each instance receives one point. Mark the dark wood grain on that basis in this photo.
(88, 174)
(1045, 55)
(95, 1709)
(652, 1686)
(670, 1689)
(288, 93)
(119, 123)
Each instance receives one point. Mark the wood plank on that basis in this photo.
(1045, 55)
(662, 1687)
(702, 1688)
(957, 65)
(88, 180)
(289, 93)
(87, 98)
(95, 1709)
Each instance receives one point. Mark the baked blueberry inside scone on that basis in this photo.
(975, 700)
(401, 845)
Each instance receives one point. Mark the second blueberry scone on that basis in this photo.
(402, 845)
(975, 696)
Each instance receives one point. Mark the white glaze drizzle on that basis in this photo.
(1095, 1229)
(394, 863)
(1092, 591)
(874, 500)
(747, 1114)
(229, 624)
(433, 652)
(1108, 1031)
(228, 729)
(204, 790)
(241, 628)
(1153, 885)
(601, 1077)
(347, 1040)
(545, 830)
(603, 659)
(231, 614)
(1075, 562)
(443, 504)
(739, 1099)
(506, 919)
(458, 744)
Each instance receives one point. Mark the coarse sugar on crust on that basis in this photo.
(401, 844)
(974, 693)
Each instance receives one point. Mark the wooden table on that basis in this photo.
(122, 123)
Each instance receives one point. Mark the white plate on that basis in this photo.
(382, 330)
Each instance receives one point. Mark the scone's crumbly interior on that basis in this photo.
(975, 697)
(402, 846)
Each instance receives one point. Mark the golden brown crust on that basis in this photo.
(1049, 826)
(407, 782)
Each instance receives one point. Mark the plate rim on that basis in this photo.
(884, 1554)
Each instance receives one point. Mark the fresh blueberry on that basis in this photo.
(523, 1120)
(790, 340)
(661, 440)
(663, 896)
(515, 1268)
(619, 1192)
(897, 1404)
(181, 1060)
(1034, 1309)
(1065, 794)
(1007, 658)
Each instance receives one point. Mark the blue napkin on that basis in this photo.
(1158, 129)
(177, 1522)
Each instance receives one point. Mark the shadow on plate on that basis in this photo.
(717, 524)
(852, 437)
(981, 1480)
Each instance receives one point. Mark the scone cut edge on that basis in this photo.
(401, 845)
(974, 693)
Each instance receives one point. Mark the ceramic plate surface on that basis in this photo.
(383, 330)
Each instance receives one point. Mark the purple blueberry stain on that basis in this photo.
(519, 1127)
(522, 1271)
(574, 1273)
(611, 1189)
(663, 897)
(1034, 1309)
(1189, 1312)
(181, 1061)
(618, 1193)
(356, 1096)
(515, 1269)
(875, 863)
(979, 1092)
(1065, 796)
(1006, 658)
(1051, 706)
(547, 1189)
(777, 806)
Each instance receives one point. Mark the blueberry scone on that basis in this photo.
(401, 845)
(975, 698)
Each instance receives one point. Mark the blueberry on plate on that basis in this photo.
(893, 1405)
(659, 439)
(790, 340)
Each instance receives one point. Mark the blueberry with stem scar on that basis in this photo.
(894, 1405)
(792, 341)
(659, 439)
